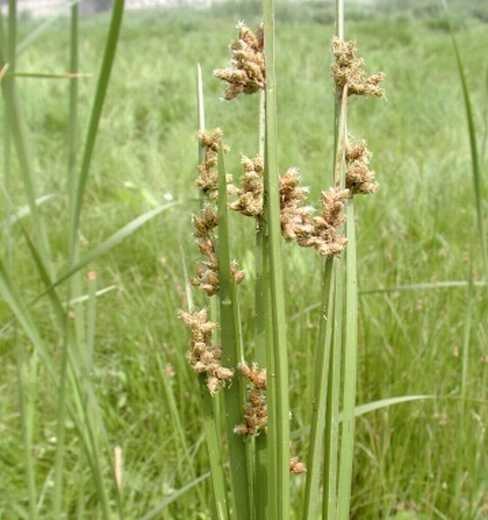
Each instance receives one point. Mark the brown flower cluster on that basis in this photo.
(321, 232)
(246, 73)
(297, 466)
(256, 411)
(348, 71)
(298, 221)
(204, 357)
(208, 177)
(295, 215)
(250, 201)
(359, 178)
(207, 273)
(325, 237)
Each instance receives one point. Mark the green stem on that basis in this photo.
(231, 354)
(333, 399)
(350, 369)
(319, 400)
(26, 405)
(261, 444)
(280, 423)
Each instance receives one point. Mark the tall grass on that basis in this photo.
(61, 345)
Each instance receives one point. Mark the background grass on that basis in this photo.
(420, 227)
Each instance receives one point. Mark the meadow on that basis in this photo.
(425, 459)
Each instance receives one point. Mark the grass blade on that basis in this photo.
(174, 497)
(363, 409)
(107, 245)
(100, 95)
(26, 384)
(473, 144)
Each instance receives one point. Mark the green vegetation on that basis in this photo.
(130, 385)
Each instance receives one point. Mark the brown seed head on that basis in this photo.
(348, 71)
(246, 73)
(359, 178)
(203, 356)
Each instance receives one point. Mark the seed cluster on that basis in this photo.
(256, 411)
(246, 73)
(298, 222)
(359, 177)
(297, 466)
(250, 201)
(205, 357)
(207, 272)
(208, 177)
(294, 214)
(322, 232)
(348, 71)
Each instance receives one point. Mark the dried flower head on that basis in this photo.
(250, 201)
(324, 236)
(207, 272)
(359, 178)
(204, 357)
(246, 73)
(256, 412)
(208, 177)
(348, 71)
(297, 466)
(295, 215)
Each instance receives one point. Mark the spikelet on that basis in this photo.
(324, 235)
(207, 271)
(246, 73)
(256, 411)
(250, 194)
(295, 215)
(359, 178)
(297, 466)
(348, 70)
(208, 177)
(203, 356)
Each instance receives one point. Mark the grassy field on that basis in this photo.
(421, 460)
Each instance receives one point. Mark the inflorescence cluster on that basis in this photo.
(204, 357)
(348, 71)
(298, 219)
(246, 73)
(256, 411)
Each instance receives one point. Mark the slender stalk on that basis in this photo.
(261, 294)
(17, 130)
(231, 354)
(11, 59)
(476, 166)
(73, 103)
(329, 505)
(279, 378)
(319, 402)
(26, 406)
(350, 369)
